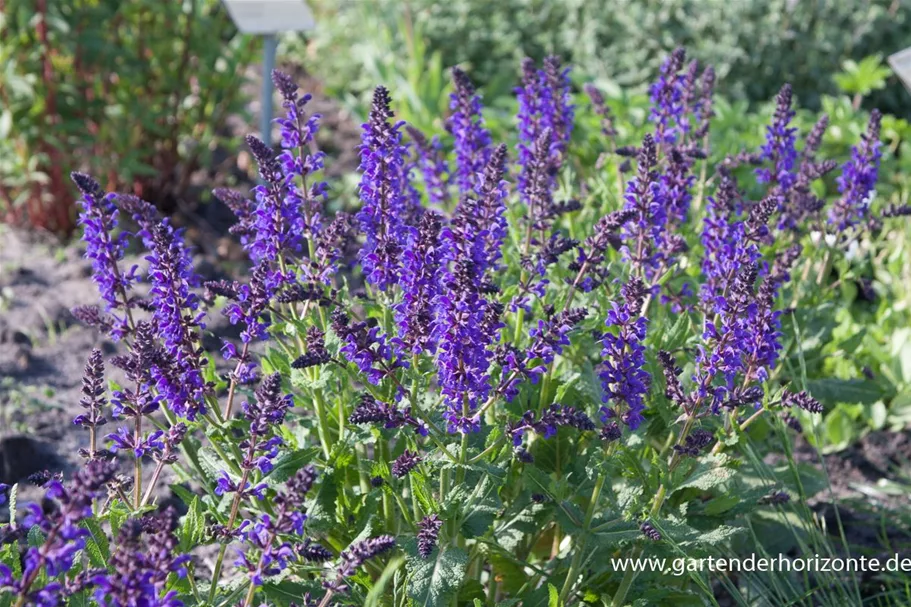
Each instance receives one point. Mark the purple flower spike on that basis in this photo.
(60, 525)
(432, 162)
(857, 182)
(668, 103)
(176, 312)
(382, 193)
(105, 248)
(646, 232)
(92, 400)
(144, 557)
(419, 281)
(278, 223)
(356, 555)
(472, 141)
(623, 376)
(779, 148)
(544, 107)
(298, 132)
(428, 532)
(366, 347)
(405, 463)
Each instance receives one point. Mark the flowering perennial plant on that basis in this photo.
(403, 425)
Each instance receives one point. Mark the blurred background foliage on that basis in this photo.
(136, 92)
(754, 46)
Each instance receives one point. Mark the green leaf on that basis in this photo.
(35, 538)
(848, 391)
(435, 580)
(374, 597)
(96, 543)
(553, 596)
(290, 463)
(194, 526)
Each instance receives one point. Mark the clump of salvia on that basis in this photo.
(509, 340)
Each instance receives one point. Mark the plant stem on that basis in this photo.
(580, 550)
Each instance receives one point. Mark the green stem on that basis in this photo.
(383, 455)
(583, 538)
(325, 438)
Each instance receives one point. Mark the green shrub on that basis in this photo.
(134, 91)
(754, 46)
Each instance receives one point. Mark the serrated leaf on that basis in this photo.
(194, 523)
(290, 463)
(96, 543)
(213, 466)
(321, 515)
(10, 557)
(435, 580)
(35, 538)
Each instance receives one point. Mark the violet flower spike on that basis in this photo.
(428, 532)
(623, 377)
(667, 96)
(857, 183)
(92, 400)
(355, 556)
(298, 132)
(99, 219)
(434, 168)
(472, 140)
(382, 193)
(419, 281)
(178, 320)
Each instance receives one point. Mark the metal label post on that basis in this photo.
(269, 18)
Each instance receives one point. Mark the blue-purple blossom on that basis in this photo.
(93, 389)
(105, 248)
(356, 555)
(405, 463)
(278, 221)
(64, 537)
(125, 440)
(545, 108)
(419, 280)
(462, 315)
(624, 380)
(225, 484)
(490, 210)
(472, 140)
(857, 182)
(779, 148)
(265, 414)
(138, 570)
(428, 533)
(251, 303)
(668, 104)
(431, 160)
(382, 193)
(298, 131)
(371, 411)
(727, 243)
(549, 422)
(645, 234)
(178, 320)
(549, 337)
(265, 552)
(366, 347)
